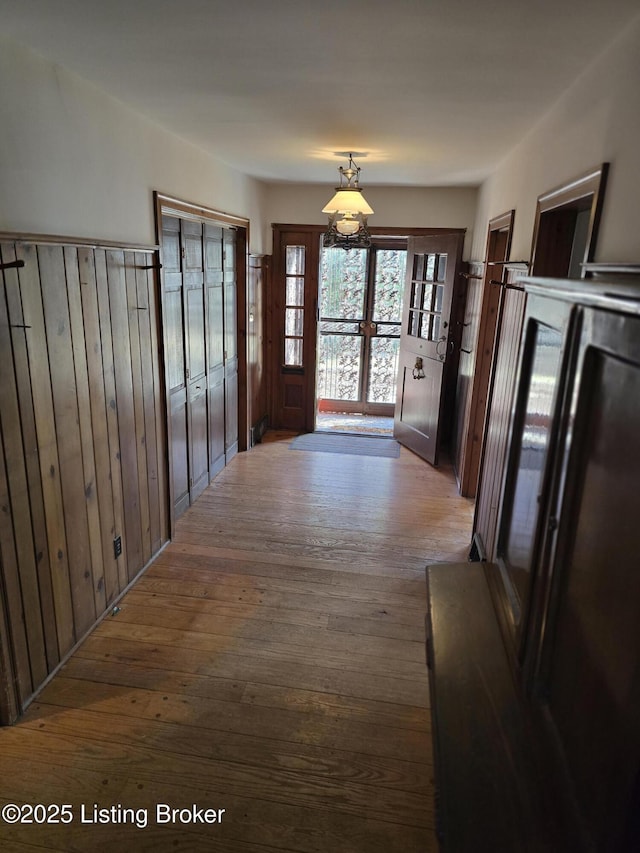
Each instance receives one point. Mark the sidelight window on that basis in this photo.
(294, 306)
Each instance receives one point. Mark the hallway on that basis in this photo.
(270, 663)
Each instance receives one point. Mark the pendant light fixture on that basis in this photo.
(348, 211)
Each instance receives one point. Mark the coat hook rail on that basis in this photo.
(508, 263)
(506, 286)
(12, 265)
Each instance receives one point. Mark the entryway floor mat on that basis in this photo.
(356, 445)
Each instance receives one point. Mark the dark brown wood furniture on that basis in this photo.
(536, 657)
(492, 779)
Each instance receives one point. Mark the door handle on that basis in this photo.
(447, 346)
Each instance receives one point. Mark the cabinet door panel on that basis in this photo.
(533, 436)
(179, 455)
(591, 659)
(195, 321)
(215, 327)
(216, 422)
(198, 442)
(231, 408)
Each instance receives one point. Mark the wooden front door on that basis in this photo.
(426, 341)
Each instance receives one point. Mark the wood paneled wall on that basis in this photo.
(497, 426)
(83, 445)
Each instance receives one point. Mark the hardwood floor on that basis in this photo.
(270, 663)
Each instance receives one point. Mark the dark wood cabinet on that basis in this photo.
(565, 588)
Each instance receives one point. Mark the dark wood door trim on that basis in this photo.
(583, 193)
(191, 210)
(376, 231)
(485, 338)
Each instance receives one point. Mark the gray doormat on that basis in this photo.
(356, 445)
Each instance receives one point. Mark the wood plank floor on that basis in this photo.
(270, 663)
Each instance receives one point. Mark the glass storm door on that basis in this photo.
(360, 316)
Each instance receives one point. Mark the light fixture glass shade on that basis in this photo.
(348, 225)
(348, 200)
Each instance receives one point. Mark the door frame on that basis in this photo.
(276, 323)
(571, 196)
(166, 205)
(484, 345)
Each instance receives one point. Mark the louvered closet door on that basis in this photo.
(214, 284)
(174, 333)
(193, 290)
(230, 344)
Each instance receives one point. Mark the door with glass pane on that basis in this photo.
(293, 325)
(426, 341)
(360, 312)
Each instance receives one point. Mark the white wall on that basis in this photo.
(76, 162)
(597, 120)
(420, 207)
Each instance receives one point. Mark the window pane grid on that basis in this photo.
(294, 305)
(427, 296)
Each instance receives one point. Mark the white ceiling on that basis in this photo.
(435, 92)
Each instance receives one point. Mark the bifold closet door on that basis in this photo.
(196, 368)
(230, 344)
(214, 282)
(199, 272)
(174, 335)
